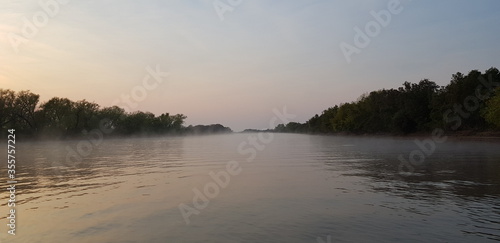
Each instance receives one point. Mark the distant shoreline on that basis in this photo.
(490, 136)
(453, 135)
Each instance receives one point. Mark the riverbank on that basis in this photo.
(453, 135)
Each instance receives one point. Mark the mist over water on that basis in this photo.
(298, 188)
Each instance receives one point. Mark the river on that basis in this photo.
(250, 188)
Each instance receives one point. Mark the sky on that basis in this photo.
(233, 61)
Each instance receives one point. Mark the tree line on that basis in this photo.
(468, 103)
(64, 118)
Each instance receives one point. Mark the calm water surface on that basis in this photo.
(298, 188)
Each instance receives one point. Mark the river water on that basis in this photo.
(246, 188)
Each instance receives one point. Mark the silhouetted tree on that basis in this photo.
(57, 116)
(24, 110)
(7, 100)
(86, 115)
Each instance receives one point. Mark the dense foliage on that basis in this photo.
(63, 118)
(468, 102)
(207, 129)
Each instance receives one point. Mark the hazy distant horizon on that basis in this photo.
(235, 71)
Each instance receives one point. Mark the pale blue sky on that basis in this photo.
(263, 55)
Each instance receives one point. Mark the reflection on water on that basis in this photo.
(44, 166)
(298, 188)
(457, 188)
